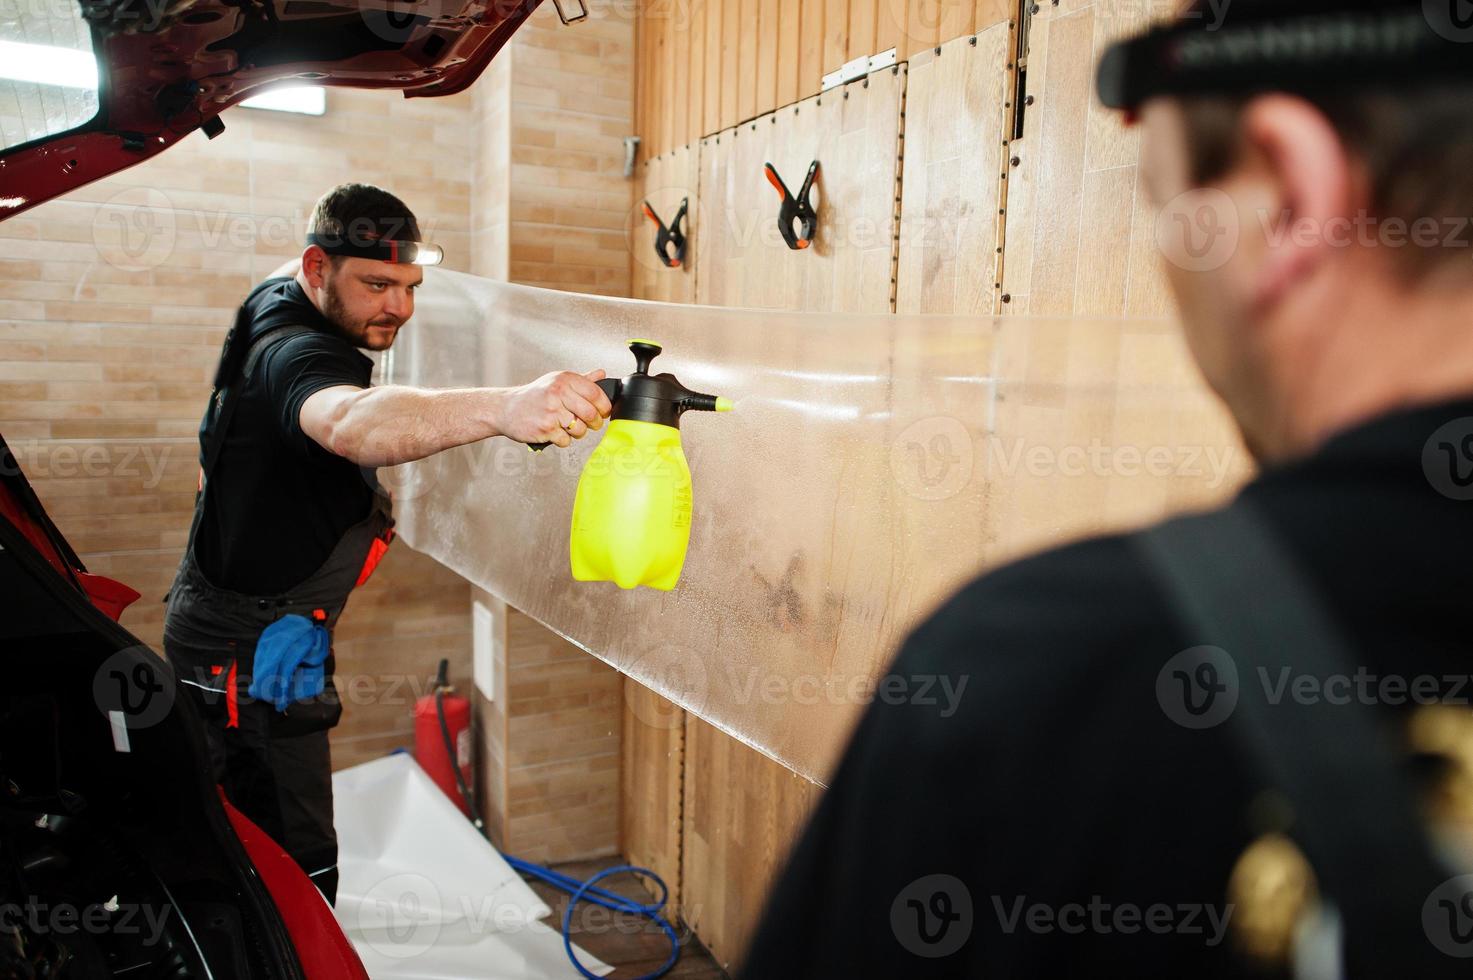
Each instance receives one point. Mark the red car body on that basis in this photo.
(165, 74)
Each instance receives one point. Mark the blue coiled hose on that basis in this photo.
(581, 891)
(587, 891)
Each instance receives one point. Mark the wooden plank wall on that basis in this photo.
(956, 110)
(570, 93)
(710, 815)
(652, 785)
(743, 260)
(1080, 237)
(742, 814)
(708, 65)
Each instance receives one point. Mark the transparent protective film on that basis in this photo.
(872, 465)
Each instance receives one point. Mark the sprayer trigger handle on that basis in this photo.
(611, 387)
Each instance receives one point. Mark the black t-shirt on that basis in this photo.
(278, 502)
(1056, 788)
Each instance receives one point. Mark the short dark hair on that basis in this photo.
(1414, 137)
(362, 211)
(1415, 140)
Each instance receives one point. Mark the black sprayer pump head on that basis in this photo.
(643, 397)
(659, 398)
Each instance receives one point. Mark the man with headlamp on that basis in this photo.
(1166, 764)
(289, 518)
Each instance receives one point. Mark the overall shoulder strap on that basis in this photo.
(1234, 585)
(228, 389)
(275, 335)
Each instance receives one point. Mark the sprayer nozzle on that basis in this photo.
(724, 404)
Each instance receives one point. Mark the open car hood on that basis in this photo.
(168, 67)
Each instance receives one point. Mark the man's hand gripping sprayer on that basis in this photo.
(632, 512)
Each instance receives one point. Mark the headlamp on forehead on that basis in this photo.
(1300, 47)
(380, 249)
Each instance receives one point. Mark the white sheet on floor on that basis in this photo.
(423, 896)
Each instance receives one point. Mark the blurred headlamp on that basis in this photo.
(1300, 46)
(380, 249)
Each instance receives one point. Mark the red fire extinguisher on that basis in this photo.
(442, 720)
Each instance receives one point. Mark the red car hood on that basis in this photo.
(168, 67)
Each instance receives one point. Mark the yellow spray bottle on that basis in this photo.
(632, 513)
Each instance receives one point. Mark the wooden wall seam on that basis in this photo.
(899, 186)
(1009, 113)
(680, 820)
(697, 213)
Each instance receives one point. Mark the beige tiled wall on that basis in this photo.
(571, 105)
(549, 743)
(563, 747)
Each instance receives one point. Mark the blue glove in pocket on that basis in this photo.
(289, 661)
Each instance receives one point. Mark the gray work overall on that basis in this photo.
(275, 766)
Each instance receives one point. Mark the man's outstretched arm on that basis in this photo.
(393, 424)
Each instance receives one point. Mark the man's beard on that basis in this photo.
(353, 331)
